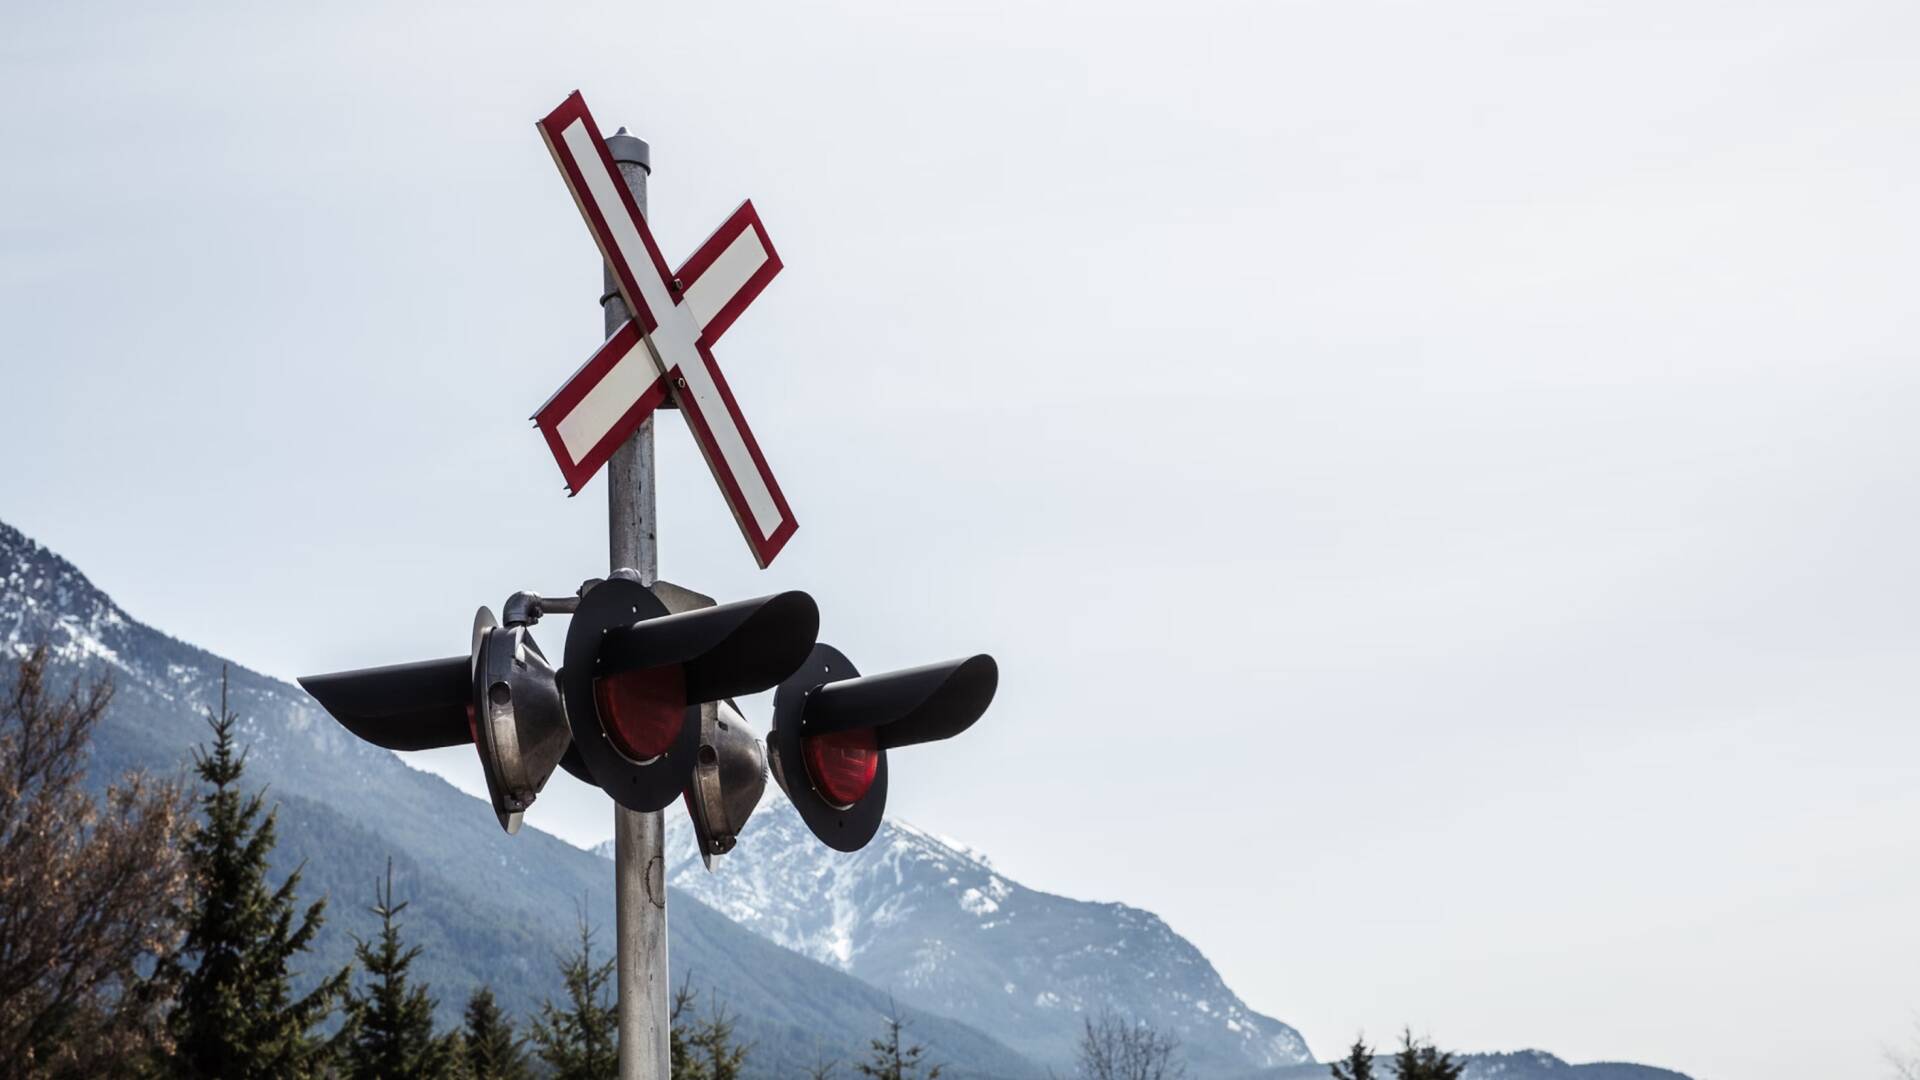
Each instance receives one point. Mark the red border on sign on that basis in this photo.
(551, 129)
(710, 249)
(764, 548)
(557, 408)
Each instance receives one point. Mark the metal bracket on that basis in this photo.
(526, 609)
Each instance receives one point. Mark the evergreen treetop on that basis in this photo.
(1419, 1060)
(490, 1049)
(889, 1060)
(390, 1020)
(234, 1015)
(579, 1041)
(1358, 1064)
(702, 1045)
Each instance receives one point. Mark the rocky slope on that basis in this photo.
(939, 927)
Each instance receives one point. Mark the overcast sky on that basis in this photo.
(1439, 479)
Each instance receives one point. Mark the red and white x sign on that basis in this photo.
(666, 347)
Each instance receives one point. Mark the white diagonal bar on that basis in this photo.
(727, 276)
(731, 446)
(674, 336)
(603, 406)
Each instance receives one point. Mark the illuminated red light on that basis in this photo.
(642, 711)
(842, 764)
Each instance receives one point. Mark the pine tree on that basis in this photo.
(706, 1050)
(681, 1064)
(1358, 1064)
(234, 1016)
(578, 1042)
(1420, 1061)
(490, 1049)
(888, 1060)
(390, 1032)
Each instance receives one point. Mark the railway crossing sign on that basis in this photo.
(665, 349)
(641, 705)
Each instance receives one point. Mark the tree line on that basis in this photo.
(140, 936)
(1417, 1059)
(1114, 1048)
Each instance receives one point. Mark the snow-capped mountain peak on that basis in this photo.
(934, 922)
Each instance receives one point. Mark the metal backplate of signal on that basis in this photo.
(728, 779)
(520, 726)
(618, 603)
(843, 829)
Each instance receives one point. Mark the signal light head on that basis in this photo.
(502, 696)
(832, 729)
(636, 675)
(634, 751)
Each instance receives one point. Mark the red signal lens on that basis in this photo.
(642, 711)
(842, 765)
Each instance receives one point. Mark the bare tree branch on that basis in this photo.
(88, 888)
(1115, 1048)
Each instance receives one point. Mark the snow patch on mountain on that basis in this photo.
(933, 921)
(45, 600)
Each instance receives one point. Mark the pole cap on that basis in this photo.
(630, 150)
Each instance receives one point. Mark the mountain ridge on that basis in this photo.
(935, 923)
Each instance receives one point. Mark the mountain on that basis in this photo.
(935, 924)
(485, 906)
(1518, 1065)
(803, 944)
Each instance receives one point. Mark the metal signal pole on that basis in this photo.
(639, 840)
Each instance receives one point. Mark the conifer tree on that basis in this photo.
(702, 1045)
(390, 1020)
(578, 1041)
(489, 1047)
(1358, 1064)
(888, 1060)
(681, 1064)
(1421, 1061)
(234, 1014)
(720, 1057)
